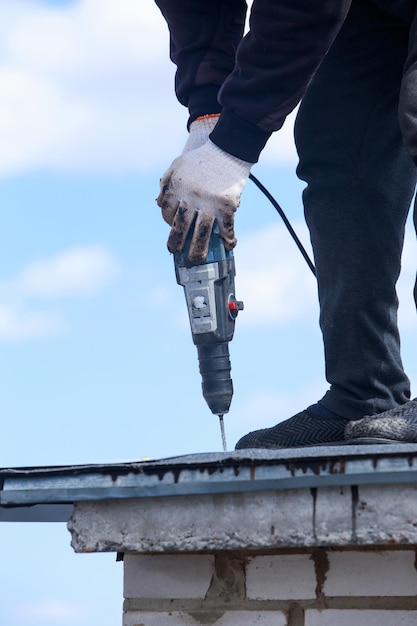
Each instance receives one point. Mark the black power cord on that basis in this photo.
(285, 220)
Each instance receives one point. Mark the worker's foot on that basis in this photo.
(393, 426)
(316, 426)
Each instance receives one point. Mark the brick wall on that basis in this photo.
(314, 587)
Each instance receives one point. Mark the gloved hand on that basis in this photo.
(201, 186)
(200, 130)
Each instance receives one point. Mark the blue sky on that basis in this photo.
(97, 359)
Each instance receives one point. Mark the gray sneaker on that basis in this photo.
(393, 426)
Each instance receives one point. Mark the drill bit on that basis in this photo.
(223, 433)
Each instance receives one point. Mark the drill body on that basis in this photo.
(212, 309)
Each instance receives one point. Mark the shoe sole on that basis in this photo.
(308, 445)
(374, 440)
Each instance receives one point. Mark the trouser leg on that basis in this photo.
(360, 182)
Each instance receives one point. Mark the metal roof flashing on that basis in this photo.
(49, 493)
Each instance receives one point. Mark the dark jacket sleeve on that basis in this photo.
(204, 36)
(259, 86)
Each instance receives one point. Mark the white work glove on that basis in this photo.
(200, 130)
(201, 186)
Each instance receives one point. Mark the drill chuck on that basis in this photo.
(216, 382)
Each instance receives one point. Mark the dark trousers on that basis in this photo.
(360, 182)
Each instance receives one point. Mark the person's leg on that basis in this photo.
(397, 425)
(360, 182)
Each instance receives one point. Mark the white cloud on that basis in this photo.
(17, 324)
(50, 612)
(273, 279)
(265, 408)
(157, 297)
(25, 310)
(88, 86)
(277, 286)
(37, 123)
(74, 272)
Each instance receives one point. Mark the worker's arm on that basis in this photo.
(274, 63)
(253, 90)
(204, 36)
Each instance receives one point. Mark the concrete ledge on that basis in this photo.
(253, 500)
(375, 515)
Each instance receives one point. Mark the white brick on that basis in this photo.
(385, 573)
(360, 618)
(281, 577)
(252, 618)
(167, 576)
(230, 618)
(158, 619)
